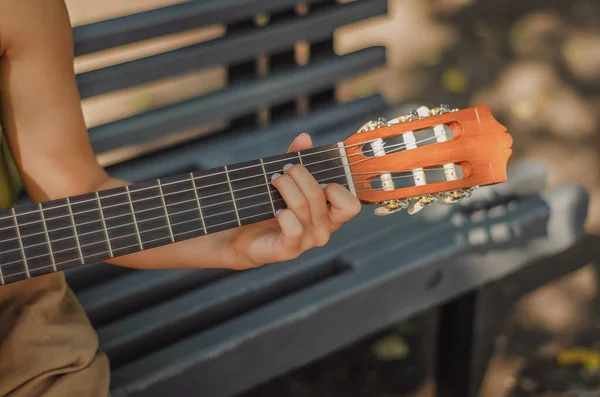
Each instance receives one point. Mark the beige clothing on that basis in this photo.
(48, 347)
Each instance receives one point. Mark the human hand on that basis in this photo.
(312, 215)
(308, 221)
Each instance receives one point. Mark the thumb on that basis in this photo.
(302, 142)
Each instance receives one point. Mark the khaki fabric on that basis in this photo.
(48, 347)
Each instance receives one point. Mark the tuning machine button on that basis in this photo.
(373, 125)
(410, 116)
(455, 196)
(418, 203)
(415, 204)
(391, 207)
(443, 108)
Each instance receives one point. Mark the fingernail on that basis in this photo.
(323, 185)
(278, 212)
(287, 167)
(275, 176)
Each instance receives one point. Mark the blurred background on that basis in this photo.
(537, 64)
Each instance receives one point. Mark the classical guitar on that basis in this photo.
(426, 156)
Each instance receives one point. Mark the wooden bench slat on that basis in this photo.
(81, 278)
(228, 49)
(235, 100)
(139, 290)
(140, 333)
(124, 339)
(171, 19)
(223, 148)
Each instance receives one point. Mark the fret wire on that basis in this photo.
(182, 202)
(187, 232)
(398, 146)
(409, 175)
(162, 197)
(137, 231)
(198, 201)
(128, 224)
(75, 230)
(21, 243)
(110, 251)
(162, 238)
(193, 180)
(47, 237)
(185, 201)
(310, 154)
(262, 163)
(432, 169)
(1, 276)
(300, 158)
(147, 220)
(237, 214)
(150, 209)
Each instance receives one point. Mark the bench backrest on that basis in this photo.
(200, 84)
(239, 79)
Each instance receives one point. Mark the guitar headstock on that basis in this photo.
(428, 156)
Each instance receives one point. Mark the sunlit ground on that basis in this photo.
(536, 63)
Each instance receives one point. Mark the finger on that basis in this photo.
(291, 234)
(344, 205)
(302, 142)
(312, 190)
(294, 198)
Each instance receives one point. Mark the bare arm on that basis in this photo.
(43, 121)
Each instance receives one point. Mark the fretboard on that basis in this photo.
(62, 234)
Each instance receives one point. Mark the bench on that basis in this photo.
(218, 332)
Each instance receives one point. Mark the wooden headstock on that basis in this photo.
(468, 148)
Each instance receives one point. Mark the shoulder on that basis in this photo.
(32, 25)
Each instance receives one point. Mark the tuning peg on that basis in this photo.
(455, 196)
(417, 204)
(373, 125)
(410, 116)
(423, 111)
(390, 207)
(442, 109)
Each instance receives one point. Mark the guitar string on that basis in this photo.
(189, 180)
(137, 201)
(161, 207)
(102, 230)
(396, 146)
(129, 246)
(171, 204)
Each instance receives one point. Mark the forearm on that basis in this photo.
(204, 252)
(201, 252)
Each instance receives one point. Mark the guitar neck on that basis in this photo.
(62, 234)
